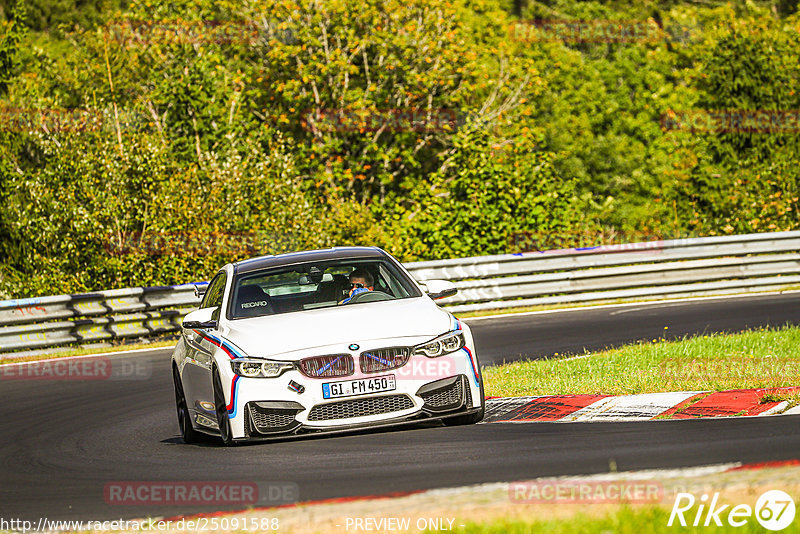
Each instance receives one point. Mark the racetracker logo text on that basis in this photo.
(586, 491)
(140, 493)
(421, 368)
(586, 31)
(80, 369)
(380, 120)
(98, 368)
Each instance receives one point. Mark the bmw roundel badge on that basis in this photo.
(353, 347)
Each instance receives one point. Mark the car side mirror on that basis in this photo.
(200, 319)
(440, 289)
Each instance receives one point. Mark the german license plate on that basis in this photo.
(362, 386)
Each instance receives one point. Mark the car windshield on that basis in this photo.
(318, 285)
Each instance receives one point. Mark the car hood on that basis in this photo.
(356, 323)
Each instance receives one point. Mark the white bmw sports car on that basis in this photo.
(287, 345)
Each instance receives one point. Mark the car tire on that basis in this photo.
(221, 407)
(470, 418)
(188, 433)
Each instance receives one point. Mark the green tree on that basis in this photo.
(748, 179)
(12, 32)
(486, 197)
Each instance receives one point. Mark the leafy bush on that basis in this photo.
(149, 143)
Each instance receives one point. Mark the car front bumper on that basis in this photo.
(448, 396)
(440, 399)
(258, 420)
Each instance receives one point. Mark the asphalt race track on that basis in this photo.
(65, 441)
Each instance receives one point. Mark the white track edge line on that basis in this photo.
(629, 304)
(84, 356)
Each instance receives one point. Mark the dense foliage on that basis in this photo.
(148, 142)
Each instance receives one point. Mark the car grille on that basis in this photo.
(360, 407)
(327, 366)
(375, 361)
(270, 419)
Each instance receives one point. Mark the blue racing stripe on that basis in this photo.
(232, 408)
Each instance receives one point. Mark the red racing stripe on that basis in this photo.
(232, 406)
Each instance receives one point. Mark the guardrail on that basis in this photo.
(120, 313)
(655, 269)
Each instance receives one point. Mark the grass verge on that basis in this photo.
(626, 520)
(760, 358)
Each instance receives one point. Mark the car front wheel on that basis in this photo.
(188, 433)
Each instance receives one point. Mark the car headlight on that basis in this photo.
(260, 368)
(450, 342)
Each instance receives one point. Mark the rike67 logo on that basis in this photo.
(774, 510)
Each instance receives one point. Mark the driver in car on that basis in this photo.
(361, 281)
